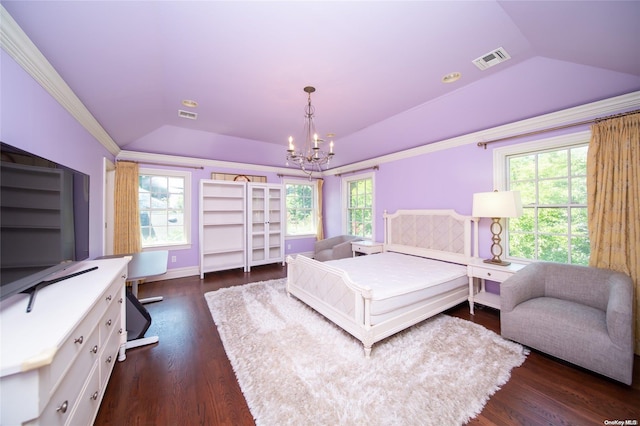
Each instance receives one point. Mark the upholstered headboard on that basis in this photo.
(437, 234)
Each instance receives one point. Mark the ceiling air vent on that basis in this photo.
(492, 58)
(187, 114)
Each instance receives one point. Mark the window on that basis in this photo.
(359, 208)
(553, 186)
(301, 208)
(165, 207)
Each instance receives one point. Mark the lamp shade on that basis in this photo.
(497, 204)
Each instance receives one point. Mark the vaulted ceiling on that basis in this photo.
(377, 67)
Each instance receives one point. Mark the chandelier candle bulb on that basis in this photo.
(331, 147)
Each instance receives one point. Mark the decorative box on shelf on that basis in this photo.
(366, 247)
(482, 271)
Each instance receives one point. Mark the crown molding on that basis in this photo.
(584, 112)
(199, 163)
(17, 44)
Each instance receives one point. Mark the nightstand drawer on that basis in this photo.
(366, 247)
(490, 274)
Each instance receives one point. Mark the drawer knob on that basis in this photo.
(109, 359)
(63, 408)
(488, 274)
(120, 300)
(109, 298)
(79, 340)
(124, 277)
(120, 331)
(95, 395)
(109, 322)
(94, 349)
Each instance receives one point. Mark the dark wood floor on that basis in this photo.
(186, 378)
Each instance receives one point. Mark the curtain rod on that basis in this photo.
(356, 171)
(163, 164)
(552, 129)
(280, 175)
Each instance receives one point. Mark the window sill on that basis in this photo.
(299, 237)
(185, 246)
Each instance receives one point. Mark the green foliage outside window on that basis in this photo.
(553, 187)
(300, 209)
(360, 208)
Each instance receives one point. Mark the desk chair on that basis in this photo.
(142, 265)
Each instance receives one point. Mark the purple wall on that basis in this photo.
(34, 121)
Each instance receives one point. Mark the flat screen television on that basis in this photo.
(44, 221)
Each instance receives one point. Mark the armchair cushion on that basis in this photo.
(579, 314)
(333, 248)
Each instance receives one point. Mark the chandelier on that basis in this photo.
(311, 157)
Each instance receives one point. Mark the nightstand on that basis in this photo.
(366, 247)
(477, 269)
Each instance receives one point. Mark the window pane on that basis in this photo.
(300, 209)
(360, 207)
(579, 220)
(522, 245)
(552, 186)
(579, 161)
(162, 210)
(553, 248)
(580, 250)
(553, 220)
(554, 191)
(552, 164)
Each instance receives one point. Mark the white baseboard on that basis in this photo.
(190, 271)
(176, 273)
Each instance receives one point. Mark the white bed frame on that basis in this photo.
(435, 234)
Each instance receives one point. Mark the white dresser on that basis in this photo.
(56, 360)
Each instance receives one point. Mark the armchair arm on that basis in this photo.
(327, 243)
(528, 283)
(342, 250)
(620, 310)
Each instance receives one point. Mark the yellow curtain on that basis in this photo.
(126, 210)
(613, 199)
(320, 230)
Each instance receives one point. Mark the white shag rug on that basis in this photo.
(295, 367)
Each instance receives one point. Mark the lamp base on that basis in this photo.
(497, 262)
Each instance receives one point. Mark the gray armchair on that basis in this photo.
(580, 314)
(334, 248)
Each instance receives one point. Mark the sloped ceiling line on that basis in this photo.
(16, 43)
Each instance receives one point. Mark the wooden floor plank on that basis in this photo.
(187, 379)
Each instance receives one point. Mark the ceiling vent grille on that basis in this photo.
(187, 114)
(492, 58)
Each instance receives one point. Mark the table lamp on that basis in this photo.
(497, 205)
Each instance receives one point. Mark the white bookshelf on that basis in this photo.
(222, 225)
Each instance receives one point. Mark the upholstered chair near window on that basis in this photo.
(580, 314)
(334, 248)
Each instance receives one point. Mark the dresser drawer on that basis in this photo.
(63, 399)
(86, 408)
(78, 342)
(489, 274)
(108, 357)
(111, 320)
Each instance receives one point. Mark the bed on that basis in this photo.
(421, 272)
